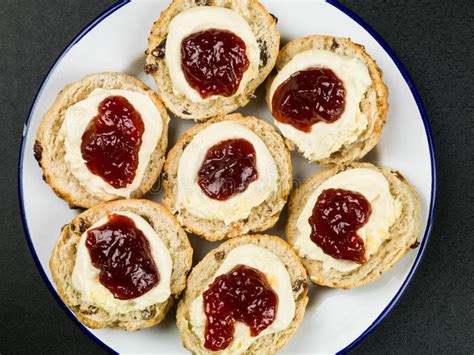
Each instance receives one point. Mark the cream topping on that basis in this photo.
(76, 121)
(199, 19)
(238, 207)
(85, 277)
(277, 276)
(385, 211)
(326, 138)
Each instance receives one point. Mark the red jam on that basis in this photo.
(241, 295)
(336, 217)
(228, 168)
(309, 96)
(122, 254)
(214, 62)
(111, 142)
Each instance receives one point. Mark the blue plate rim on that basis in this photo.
(407, 79)
(40, 268)
(429, 135)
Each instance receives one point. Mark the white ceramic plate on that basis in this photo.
(335, 320)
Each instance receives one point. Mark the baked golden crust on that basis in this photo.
(64, 255)
(49, 148)
(403, 233)
(261, 217)
(202, 274)
(374, 103)
(263, 26)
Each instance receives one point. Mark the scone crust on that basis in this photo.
(202, 275)
(374, 103)
(403, 233)
(64, 255)
(263, 25)
(261, 217)
(49, 147)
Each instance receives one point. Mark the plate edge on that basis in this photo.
(429, 135)
(107, 12)
(407, 79)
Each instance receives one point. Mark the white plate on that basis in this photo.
(335, 320)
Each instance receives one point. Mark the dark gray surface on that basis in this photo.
(435, 42)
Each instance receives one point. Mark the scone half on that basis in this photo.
(255, 209)
(343, 132)
(94, 304)
(390, 231)
(248, 19)
(77, 105)
(269, 255)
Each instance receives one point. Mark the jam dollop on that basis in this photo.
(241, 295)
(309, 96)
(214, 62)
(228, 168)
(111, 142)
(336, 217)
(122, 254)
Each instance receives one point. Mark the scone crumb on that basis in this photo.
(83, 225)
(203, 2)
(90, 310)
(298, 287)
(263, 52)
(220, 255)
(151, 68)
(148, 313)
(159, 51)
(38, 151)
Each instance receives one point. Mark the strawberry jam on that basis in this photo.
(122, 254)
(309, 96)
(228, 168)
(336, 217)
(241, 295)
(214, 62)
(111, 142)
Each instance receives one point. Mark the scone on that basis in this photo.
(350, 225)
(328, 99)
(104, 138)
(227, 177)
(121, 264)
(247, 296)
(208, 57)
